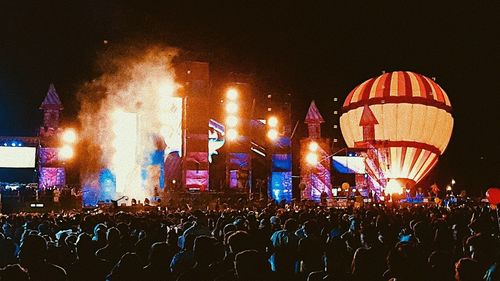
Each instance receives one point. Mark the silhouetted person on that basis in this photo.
(13, 273)
(183, 260)
(467, 269)
(401, 263)
(32, 258)
(204, 249)
(483, 248)
(87, 266)
(127, 269)
(310, 249)
(336, 262)
(368, 261)
(441, 265)
(284, 248)
(159, 259)
(112, 252)
(250, 265)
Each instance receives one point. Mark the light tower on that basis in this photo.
(315, 163)
(51, 172)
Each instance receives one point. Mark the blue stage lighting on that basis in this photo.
(4, 144)
(13, 143)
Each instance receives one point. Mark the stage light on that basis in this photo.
(448, 188)
(393, 187)
(13, 144)
(69, 136)
(166, 87)
(272, 134)
(232, 134)
(272, 121)
(231, 107)
(312, 158)
(231, 121)
(232, 94)
(66, 152)
(313, 146)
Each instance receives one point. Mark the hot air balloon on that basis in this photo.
(403, 120)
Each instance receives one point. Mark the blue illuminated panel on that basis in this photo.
(281, 186)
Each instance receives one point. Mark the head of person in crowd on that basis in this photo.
(204, 249)
(249, 265)
(482, 248)
(200, 218)
(13, 272)
(441, 264)
(100, 232)
(291, 225)
(128, 268)
(84, 248)
(113, 236)
(467, 269)
(311, 228)
(33, 250)
(159, 254)
(238, 241)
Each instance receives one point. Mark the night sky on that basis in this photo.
(311, 49)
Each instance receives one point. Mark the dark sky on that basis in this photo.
(312, 49)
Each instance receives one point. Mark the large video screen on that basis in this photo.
(349, 164)
(17, 157)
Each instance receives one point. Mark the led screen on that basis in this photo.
(17, 157)
(349, 164)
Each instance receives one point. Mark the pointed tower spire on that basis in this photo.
(368, 122)
(51, 100)
(51, 107)
(313, 121)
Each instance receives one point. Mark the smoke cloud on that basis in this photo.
(132, 81)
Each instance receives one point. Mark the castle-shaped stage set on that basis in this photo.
(39, 154)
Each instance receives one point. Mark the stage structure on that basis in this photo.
(314, 158)
(194, 77)
(51, 171)
(238, 114)
(402, 120)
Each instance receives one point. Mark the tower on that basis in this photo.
(51, 172)
(52, 108)
(194, 78)
(315, 158)
(313, 121)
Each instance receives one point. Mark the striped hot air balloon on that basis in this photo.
(404, 115)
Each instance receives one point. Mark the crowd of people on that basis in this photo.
(278, 242)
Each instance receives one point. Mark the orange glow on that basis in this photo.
(232, 134)
(66, 152)
(272, 121)
(231, 121)
(393, 187)
(232, 94)
(231, 107)
(313, 146)
(312, 158)
(69, 136)
(272, 134)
